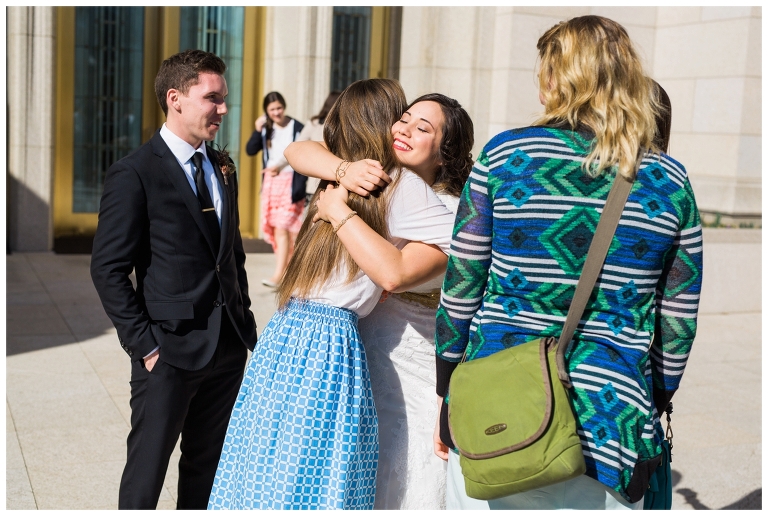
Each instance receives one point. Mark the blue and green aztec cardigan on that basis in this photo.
(524, 224)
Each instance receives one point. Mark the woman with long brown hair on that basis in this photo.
(303, 432)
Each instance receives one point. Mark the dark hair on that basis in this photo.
(455, 146)
(271, 97)
(663, 119)
(327, 105)
(182, 71)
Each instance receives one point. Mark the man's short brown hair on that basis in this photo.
(182, 71)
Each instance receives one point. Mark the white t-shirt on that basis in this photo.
(282, 137)
(415, 214)
(452, 203)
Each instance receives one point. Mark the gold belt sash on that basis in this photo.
(428, 299)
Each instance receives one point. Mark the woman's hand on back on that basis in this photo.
(332, 205)
(364, 176)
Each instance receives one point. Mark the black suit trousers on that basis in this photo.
(167, 402)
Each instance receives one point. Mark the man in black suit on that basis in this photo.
(169, 213)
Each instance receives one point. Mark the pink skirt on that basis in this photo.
(277, 210)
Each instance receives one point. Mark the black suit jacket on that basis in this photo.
(150, 222)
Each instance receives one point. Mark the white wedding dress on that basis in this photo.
(399, 340)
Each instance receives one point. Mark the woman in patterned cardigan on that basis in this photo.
(524, 224)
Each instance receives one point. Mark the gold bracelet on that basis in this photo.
(349, 216)
(341, 172)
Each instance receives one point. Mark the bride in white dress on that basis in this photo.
(433, 138)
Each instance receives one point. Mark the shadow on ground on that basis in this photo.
(752, 501)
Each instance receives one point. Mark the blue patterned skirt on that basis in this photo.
(303, 432)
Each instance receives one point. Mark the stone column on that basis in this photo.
(709, 61)
(298, 57)
(31, 116)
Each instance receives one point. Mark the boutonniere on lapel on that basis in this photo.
(225, 162)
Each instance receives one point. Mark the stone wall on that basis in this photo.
(298, 57)
(30, 139)
(707, 58)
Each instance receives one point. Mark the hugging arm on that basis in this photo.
(392, 269)
(314, 160)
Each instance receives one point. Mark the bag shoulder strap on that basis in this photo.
(598, 249)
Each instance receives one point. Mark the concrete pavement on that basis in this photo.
(67, 413)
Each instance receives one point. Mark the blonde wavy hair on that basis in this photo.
(590, 74)
(358, 126)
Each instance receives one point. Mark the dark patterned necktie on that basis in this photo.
(209, 212)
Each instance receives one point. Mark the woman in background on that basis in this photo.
(283, 193)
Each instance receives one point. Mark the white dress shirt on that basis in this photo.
(183, 152)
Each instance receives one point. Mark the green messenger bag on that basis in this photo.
(509, 414)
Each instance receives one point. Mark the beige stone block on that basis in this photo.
(727, 288)
(740, 195)
(523, 106)
(67, 359)
(18, 491)
(14, 459)
(562, 13)
(644, 41)
(65, 445)
(706, 154)
(720, 431)
(681, 96)
(75, 406)
(714, 49)
(718, 105)
(414, 22)
(8, 419)
(416, 81)
(750, 157)
(668, 16)
(455, 82)
(628, 16)
(751, 116)
(86, 486)
(453, 50)
(725, 13)
(527, 28)
(754, 66)
(757, 12)
(733, 330)
(503, 38)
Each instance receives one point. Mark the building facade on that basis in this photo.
(80, 95)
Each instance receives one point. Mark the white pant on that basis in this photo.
(579, 493)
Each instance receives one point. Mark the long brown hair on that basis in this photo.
(590, 74)
(358, 126)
